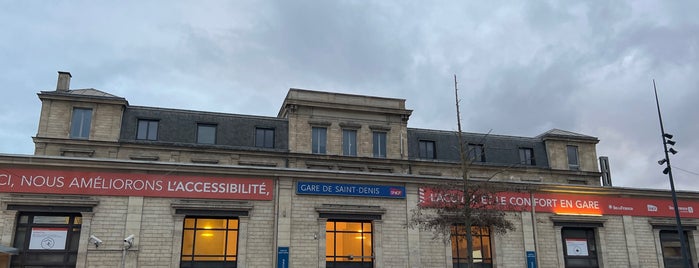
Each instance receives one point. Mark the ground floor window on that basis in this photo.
(672, 251)
(47, 240)
(209, 242)
(348, 244)
(579, 247)
(482, 254)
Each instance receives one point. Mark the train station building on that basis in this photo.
(331, 181)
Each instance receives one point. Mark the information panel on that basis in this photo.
(48, 238)
(367, 190)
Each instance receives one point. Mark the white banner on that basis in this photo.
(48, 238)
(576, 247)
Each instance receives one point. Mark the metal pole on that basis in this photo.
(683, 243)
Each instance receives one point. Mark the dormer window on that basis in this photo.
(80, 123)
(147, 130)
(526, 157)
(264, 137)
(206, 133)
(476, 152)
(573, 157)
(426, 150)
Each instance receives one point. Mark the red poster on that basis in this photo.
(572, 203)
(133, 184)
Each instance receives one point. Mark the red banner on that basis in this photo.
(132, 184)
(571, 203)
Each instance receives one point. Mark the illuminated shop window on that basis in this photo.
(209, 242)
(482, 254)
(348, 244)
(47, 240)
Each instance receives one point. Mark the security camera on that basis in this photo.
(128, 242)
(129, 239)
(95, 240)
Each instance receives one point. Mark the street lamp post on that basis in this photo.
(668, 170)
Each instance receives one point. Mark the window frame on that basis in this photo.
(148, 129)
(476, 152)
(525, 159)
(200, 127)
(588, 234)
(423, 151)
(331, 235)
(26, 222)
(349, 142)
(266, 141)
(380, 148)
(670, 239)
(191, 260)
(573, 162)
(80, 127)
(459, 250)
(319, 140)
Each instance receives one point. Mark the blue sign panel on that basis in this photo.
(531, 259)
(282, 257)
(366, 190)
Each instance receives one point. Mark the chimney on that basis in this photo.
(63, 81)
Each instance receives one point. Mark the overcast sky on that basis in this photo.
(524, 67)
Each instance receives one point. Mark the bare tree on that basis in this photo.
(475, 204)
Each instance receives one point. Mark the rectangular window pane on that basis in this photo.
(232, 243)
(573, 157)
(349, 142)
(318, 140)
(476, 152)
(147, 130)
(208, 242)
(481, 245)
(206, 134)
(526, 156)
(80, 123)
(380, 144)
(349, 242)
(188, 242)
(426, 150)
(264, 137)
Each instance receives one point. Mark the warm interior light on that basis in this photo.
(207, 234)
(578, 214)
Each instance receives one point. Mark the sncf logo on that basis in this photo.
(652, 208)
(396, 192)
